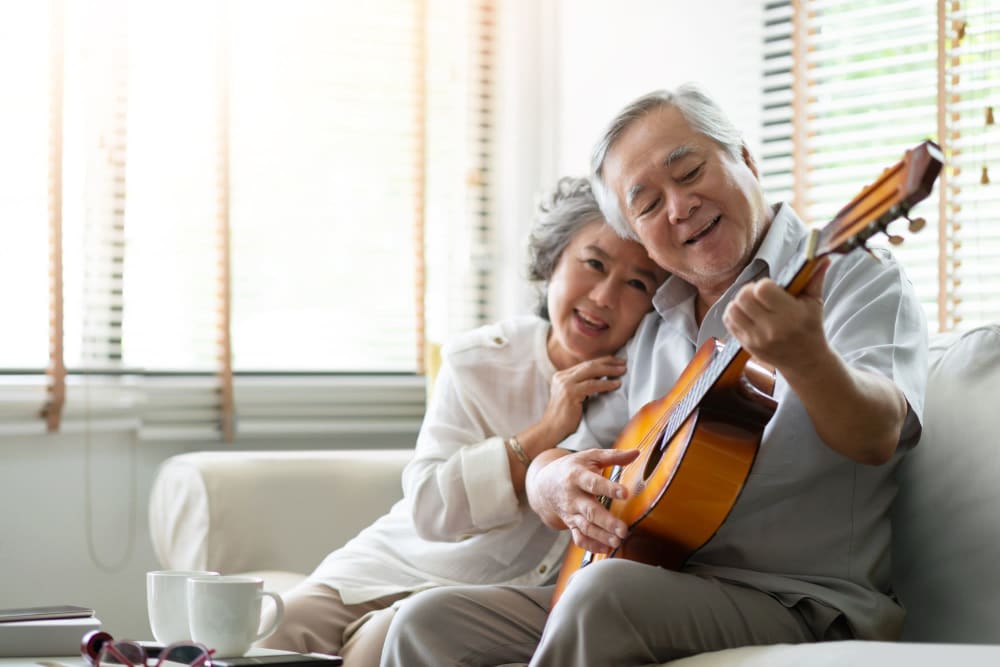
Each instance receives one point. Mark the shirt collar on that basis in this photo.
(781, 243)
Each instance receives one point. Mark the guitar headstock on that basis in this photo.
(890, 197)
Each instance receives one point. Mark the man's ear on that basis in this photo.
(749, 161)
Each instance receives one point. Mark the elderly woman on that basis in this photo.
(505, 393)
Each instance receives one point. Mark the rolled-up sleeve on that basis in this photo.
(458, 483)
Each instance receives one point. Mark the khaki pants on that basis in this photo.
(318, 621)
(615, 612)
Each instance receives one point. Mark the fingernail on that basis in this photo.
(614, 542)
(620, 532)
(619, 493)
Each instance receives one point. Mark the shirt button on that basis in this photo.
(543, 569)
(497, 340)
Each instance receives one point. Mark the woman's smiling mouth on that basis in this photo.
(589, 325)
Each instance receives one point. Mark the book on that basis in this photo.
(259, 658)
(263, 657)
(51, 637)
(44, 613)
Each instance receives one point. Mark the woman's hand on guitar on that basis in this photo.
(563, 490)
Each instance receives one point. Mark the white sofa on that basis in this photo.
(279, 513)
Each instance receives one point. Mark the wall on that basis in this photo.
(566, 66)
(714, 44)
(73, 519)
(59, 496)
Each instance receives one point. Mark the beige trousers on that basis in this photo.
(616, 612)
(318, 621)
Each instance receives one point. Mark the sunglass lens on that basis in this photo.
(129, 654)
(183, 654)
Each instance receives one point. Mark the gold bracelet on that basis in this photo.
(514, 445)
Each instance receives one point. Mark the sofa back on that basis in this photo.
(242, 511)
(946, 523)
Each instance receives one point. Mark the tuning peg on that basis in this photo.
(916, 224)
(895, 239)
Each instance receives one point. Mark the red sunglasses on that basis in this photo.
(100, 649)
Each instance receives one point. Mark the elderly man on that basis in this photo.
(804, 553)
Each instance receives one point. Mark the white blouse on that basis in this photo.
(460, 521)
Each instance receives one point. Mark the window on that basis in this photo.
(24, 172)
(243, 199)
(849, 86)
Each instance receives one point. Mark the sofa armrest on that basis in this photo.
(239, 511)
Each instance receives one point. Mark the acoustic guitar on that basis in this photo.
(698, 443)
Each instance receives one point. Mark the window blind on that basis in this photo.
(460, 235)
(848, 87)
(970, 262)
(246, 206)
(95, 110)
(776, 160)
(25, 86)
(326, 143)
(56, 367)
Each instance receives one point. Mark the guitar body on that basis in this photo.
(680, 491)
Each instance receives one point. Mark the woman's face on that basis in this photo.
(601, 288)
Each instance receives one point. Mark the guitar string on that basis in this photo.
(667, 422)
(670, 422)
(674, 419)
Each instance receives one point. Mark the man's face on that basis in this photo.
(699, 212)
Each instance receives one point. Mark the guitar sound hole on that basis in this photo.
(655, 454)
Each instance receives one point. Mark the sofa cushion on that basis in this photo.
(946, 542)
(278, 581)
(847, 654)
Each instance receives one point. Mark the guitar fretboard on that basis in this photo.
(721, 360)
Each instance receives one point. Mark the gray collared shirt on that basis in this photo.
(811, 527)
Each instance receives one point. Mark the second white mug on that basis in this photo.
(224, 612)
(166, 602)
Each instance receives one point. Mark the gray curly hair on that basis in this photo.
(700, 112)
(567, 209)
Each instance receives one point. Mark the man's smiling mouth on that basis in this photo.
(700, 235)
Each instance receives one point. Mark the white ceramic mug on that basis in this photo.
(166, 603)
(224, 612)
